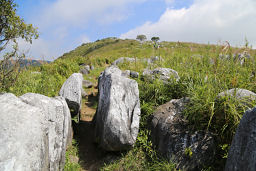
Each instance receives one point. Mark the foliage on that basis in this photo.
(204, 73)
(72, 151)
(141, 37)
(12, 27)
(155, 39)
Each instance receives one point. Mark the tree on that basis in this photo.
(155, 39)
(141, 37)
(12, 27)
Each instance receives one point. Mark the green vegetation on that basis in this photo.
(12, 27)
(203, 75)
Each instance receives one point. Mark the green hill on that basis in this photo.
(204, 70)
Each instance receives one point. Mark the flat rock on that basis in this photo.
(118, 112)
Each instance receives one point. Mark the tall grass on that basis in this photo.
(203, 75)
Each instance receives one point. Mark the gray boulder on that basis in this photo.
(122, 60)
(242, 153)
(71, 90)
(118, 112)
(34, 131)
(85, 70)
(164, 73)
(173, 139)
(58, 123)
(246, 97)
(87, 84)
(23, 132)
(134, 74)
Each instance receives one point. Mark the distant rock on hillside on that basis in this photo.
(163, 73)
(34, 131)
(118, 113)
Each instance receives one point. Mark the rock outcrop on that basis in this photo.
(163, 73)
(34, 131)
(118, 113)
(71, 90)
(242, 153)
(173, 139)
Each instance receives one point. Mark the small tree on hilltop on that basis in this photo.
(12, 27)
(141, 37)
(155, 39)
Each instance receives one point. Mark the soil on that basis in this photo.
(91, 157)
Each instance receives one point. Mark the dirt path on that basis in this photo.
(91, 157)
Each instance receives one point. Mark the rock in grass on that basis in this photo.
(122, 60)
(163, 73)
(118, 112)
(134, 74)
(242, 153)
(126, 73)
(71, 90)
(87, 84)
(85, 70)
(34, 131)
(175, 141)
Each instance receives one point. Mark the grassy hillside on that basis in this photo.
(204, 73)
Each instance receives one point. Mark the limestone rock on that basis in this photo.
(122, 60)
(246, 97)
(126, 73)
(85, 70)
(87, 84)
(71, 90)
(163, 73)
(242, 153)
(23, 131)
(35, 131)
(58, 123)
(134, 74)
(118, 113)
(173, 139)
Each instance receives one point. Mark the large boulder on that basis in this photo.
(242, 153)
(34, 131)
(71, 90)
(173, 139)
(118, 112)
(163, 73)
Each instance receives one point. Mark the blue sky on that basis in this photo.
(66, 24)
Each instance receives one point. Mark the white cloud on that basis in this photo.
(204, 21)
(79, 12)
(62, 23)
